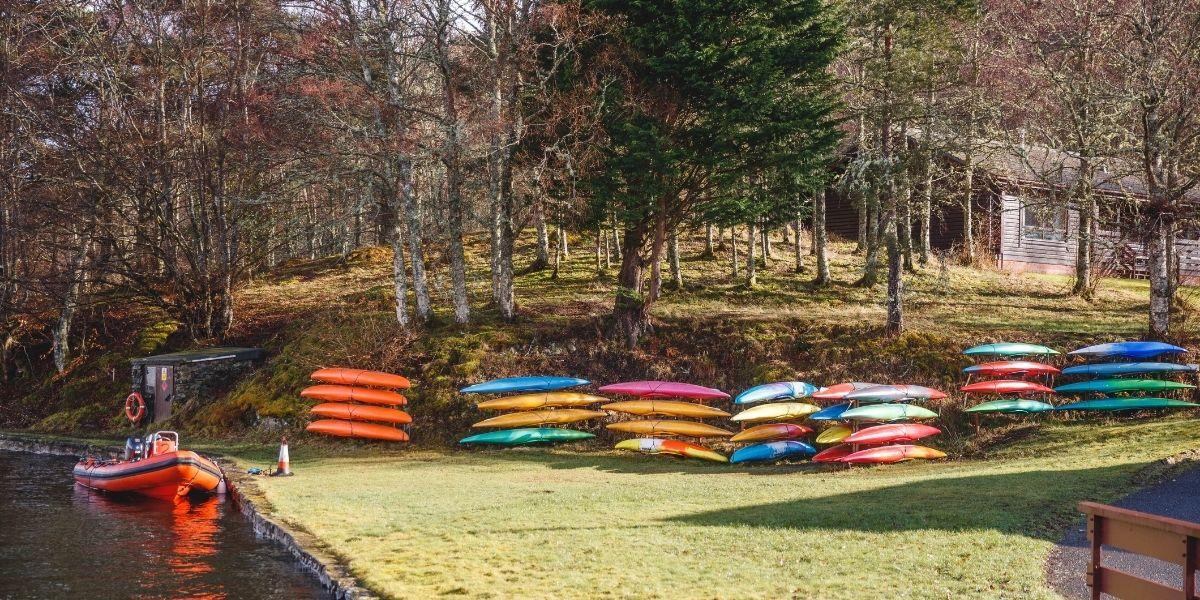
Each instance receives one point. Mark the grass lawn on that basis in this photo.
(556, 523)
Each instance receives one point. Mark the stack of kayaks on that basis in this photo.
(1010, 374)
(667, 399)
(873, 427)
(539, 401)
(1127, 376)
(357, 404)
(772, 434)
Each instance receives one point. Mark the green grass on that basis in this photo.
(556, 523)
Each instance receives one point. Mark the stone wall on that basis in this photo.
(197, 383)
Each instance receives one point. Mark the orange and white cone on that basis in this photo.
(284, 467)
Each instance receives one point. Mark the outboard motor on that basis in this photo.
(133, 447)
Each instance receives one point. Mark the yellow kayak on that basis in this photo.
(834, 435)
(670, 408)
(779, 411)
(676, 447)
(684, 428)
(541, 400)
(540, 417)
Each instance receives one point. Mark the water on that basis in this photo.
(60, 540)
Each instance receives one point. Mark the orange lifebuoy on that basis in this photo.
(135, 407)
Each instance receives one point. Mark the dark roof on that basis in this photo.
(202, 355)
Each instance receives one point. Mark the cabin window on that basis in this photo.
(1044, 223)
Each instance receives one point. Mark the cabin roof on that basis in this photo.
(202, 355)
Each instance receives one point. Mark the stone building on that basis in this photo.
(168, 382)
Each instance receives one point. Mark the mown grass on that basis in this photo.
(559, 523)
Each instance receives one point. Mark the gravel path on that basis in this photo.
(1178, 498)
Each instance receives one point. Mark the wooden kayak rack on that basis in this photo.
(1170, 540)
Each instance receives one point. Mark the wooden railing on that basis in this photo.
(1170, 540)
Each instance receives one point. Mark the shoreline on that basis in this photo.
(334, 578)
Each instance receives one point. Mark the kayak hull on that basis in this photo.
(884, 455)
(672, 447)
(525, 436)
(168, 475)
(771, 432)
(779, 390)
(839, 391)
(358, 412)
(772, 451)
(1011, 405)
(1005, 386)
(893, 393)
(669, 408)
(889, 434)
(541, 400)
(1135, 350)
(834, 454)
(776, 411)
(1007, 368)
(669, 427)
(830, 413)
(1111, 386)
(664, 389)
(1010, 349)
(1127, 368)
(360, 377)
(834, 435)
(345, 393)
(560, 416)
(535, 383)
(1114, 404)
(888, 412)
(352, 429)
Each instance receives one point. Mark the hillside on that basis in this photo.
(715, 331)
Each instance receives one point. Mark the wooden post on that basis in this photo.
(1094, 525)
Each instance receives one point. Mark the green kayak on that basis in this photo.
(1128, 404)
(1109, 386)
(1009, 349)
(888, 412)
(530, 435)
(1012, 405)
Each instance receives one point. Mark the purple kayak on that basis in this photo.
(664, 389)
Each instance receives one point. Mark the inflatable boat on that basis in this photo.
(155, 467)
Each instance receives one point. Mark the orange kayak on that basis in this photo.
(342, 376)
(358, 412)
(350, 429)
(342, 393)
(167, 475)
(670, 408)
(559, 416)
(659, 427)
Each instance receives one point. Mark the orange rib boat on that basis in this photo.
(158, 469)
(350, 429)
(342, 376)
(358, 412)
(343, 393)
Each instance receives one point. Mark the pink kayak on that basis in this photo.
(1006, 386)
(886, 434)
(892, 454)
(664, 389)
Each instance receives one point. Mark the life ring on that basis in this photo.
(135, 407)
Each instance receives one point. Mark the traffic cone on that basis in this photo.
(284, 467)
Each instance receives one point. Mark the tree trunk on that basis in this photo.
(733, 245)
(751, 238)
(562, 242)
(895, 291)
(969, 210)
(870, 274)
(927, 211)
(673, 259)
(767, 252)
(1160, 278)
(631, 312)
(543, 237)
(799, 244)
(458, 262)
(710, 249)
(656, 258)
(412, 216)
(1084, 245)
(599, 251)
(819, 239)
(904, 228)
(399, 274)
(62, 328)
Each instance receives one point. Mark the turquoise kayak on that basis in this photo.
(1011, 405)
(1126, 368)
(531, 435)
(1009, 349)
(888, 412)
(1110, 386)
(1108, 404)
(830, 413)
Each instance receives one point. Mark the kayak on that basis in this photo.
(670, 408)
(536, 383)
(1109, 386)
(834, 435)
(1129, 350)
(1010, 405)
(520, 437)
(839, 391)
(663, 427)
(830, 413)
(165, 472)
(359, 377)
(559, 416)
(350, 429)
(834, 454)
(675, 447)
(1005, 386)
(771, 432)
(888, 412)
(780, 390)
(1006, 368)
(358, 412)
(1128, 404)
(1126, 368)
(540, 400)
(779, 411)
(772, 451)
(1009, 349)
(343, 393)
(887, 434)
(664, 389)
(893, 393)
(892, 454)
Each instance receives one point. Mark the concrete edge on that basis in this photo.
(334, 577)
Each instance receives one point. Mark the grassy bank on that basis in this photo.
(557, 523)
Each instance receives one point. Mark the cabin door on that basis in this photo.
(159, 390)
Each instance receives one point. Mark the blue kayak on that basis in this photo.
(830, 413)
(772, 451)
(1135, 350)
(780, 390)
(524, 384)
(1126, 368)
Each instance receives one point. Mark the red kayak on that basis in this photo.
(834, 454)
(157, 468)
(1007, 368)
(839, 391)
(1006, 386)
(664, 389)
(344, 393)
(886, 434)
(884, 455)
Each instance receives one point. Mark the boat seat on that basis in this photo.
(163, 446)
